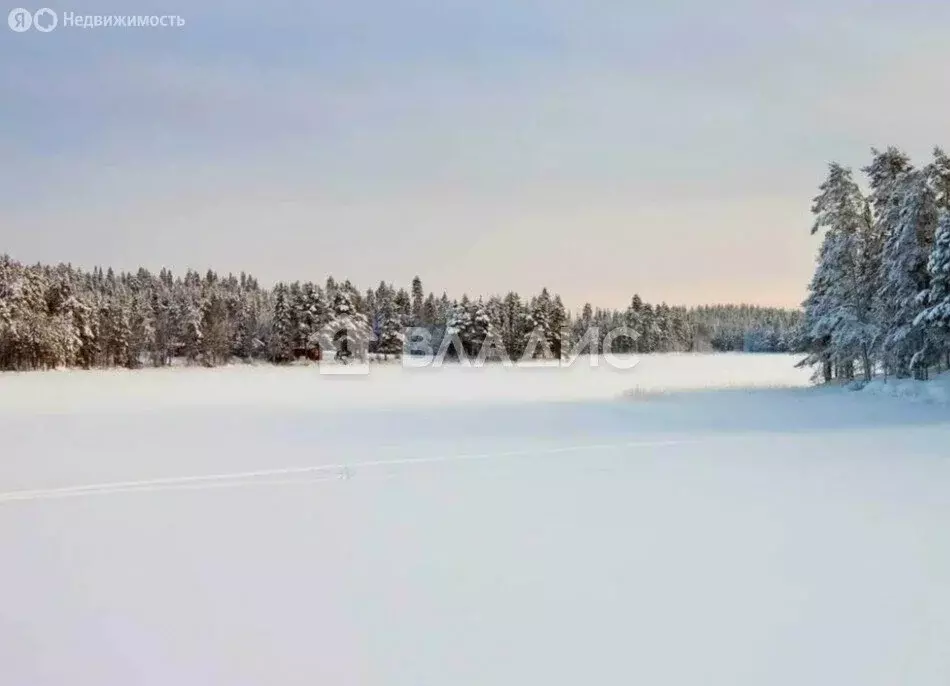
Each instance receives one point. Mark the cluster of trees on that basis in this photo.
(747, 328)
(879, 300)
(61, 316)
(722, 328)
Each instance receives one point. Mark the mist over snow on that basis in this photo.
(391, 384)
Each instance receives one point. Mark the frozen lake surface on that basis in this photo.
(700, 519)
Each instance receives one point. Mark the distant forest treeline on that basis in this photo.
(60, 316)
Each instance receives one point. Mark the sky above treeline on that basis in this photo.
(597, 148)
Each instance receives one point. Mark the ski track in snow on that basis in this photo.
(343, 470)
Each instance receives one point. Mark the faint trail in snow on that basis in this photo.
(332, 472)
(154, 488)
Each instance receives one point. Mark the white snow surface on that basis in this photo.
(936, 390)
(700, 519)
(387, 384)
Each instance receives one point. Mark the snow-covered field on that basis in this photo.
(670, 524)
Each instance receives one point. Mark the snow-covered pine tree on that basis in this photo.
(316, 317)
(403, 303)
(665, 341)
(651, 329)
(539, 335)
(163, 323)
(297, 307)
(581, 325)
(560, 339)
(837, 328)
(215, 327)
(189, 335)
(430, 311)
(683, 332)
(633, 320)
(141, 331)
(444, 309)
(85, 326)
(283, 331)
(418, 301)
(256, 323)
(884, 172)
(39, 335)
(935, 318)
(63, 312)
(480, 327)
(461, 323)
(348, 330)
(356, 298)
(941, 178)
(10, 317)
(904, 275)
(370, 304)
(384, 293)
(391, 337)
(513, 325)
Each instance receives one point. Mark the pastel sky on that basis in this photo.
(599, 148)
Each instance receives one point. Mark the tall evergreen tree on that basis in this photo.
(904, 274)
(539, 334)
(941, 179)
(348, 330)
(283, 332)
(390, 333)
(418, 301)
(838, 325)
(935, 316)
